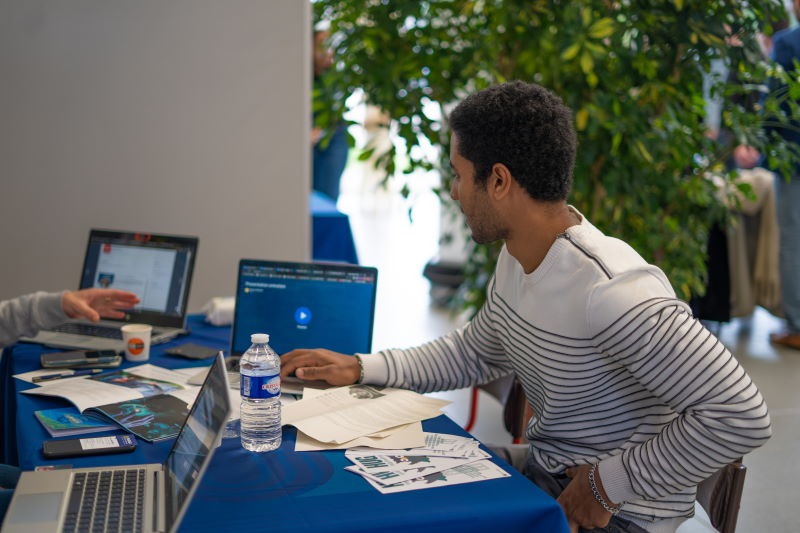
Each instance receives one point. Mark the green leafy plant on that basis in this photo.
(633, 73)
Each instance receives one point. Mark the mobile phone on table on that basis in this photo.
(191, 350)
(81, 359)
(54, 449)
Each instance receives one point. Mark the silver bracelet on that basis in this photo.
(360, 369)
(597, 496)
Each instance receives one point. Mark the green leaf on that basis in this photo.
(602, 28)
(571, 52)
(645, 153)
(366, 154)
(581, 119)
(587, 63)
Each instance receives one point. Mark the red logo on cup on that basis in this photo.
(135, 346)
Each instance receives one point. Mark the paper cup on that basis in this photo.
(136, 338)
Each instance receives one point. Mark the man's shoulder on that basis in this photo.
(785, 41)
(612, 254)
(787, 33)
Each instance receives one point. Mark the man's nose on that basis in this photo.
(453, 191)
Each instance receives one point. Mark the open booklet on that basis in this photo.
(149, 401)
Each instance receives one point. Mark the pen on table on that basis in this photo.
(49, 377)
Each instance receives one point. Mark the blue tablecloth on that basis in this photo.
(331, 233)
(289, 491)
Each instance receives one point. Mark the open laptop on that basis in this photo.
(46, 500)
(158, 268)
(304, 305)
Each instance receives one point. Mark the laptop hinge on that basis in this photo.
(159, 502)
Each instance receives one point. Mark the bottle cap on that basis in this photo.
(259, 338)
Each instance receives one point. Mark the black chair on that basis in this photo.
(721, 496)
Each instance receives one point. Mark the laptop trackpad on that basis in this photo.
(35, 508)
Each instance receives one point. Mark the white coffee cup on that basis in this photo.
(136, 338)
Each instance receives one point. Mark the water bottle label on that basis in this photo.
(261, 386)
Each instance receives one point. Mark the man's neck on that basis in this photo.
(533, 235)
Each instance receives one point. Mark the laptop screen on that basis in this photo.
(305, 305)
(199, 436)
(158, 268)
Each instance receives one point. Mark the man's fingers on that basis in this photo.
(298, 362)
(311, 372)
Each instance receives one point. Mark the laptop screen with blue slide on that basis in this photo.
(304, 305)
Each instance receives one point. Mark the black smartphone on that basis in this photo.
(193, 351)
(81, 359)
(88, 446)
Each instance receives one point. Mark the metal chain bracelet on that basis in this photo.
(593, 484)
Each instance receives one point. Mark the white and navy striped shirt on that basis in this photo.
(616, 368)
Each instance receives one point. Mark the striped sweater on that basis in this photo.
(616, 368)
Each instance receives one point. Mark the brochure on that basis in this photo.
(444, 460)
(152, 418)
(67, 421)
(149, 401)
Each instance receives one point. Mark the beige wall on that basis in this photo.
(183, 116)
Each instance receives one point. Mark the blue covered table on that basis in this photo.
(286, 490)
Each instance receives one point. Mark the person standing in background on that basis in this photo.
(330, 149)
(785, 51)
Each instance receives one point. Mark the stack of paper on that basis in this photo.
(360, 415)
(444, 460)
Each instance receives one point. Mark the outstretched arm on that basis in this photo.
(92, 304)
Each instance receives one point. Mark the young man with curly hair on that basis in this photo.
(635, 401)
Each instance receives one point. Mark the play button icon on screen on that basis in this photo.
(302, 316)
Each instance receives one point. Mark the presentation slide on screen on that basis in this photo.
(146, 272)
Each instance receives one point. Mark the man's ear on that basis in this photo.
(500, 181)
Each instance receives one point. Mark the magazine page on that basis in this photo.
(151, 418)
(115, 386)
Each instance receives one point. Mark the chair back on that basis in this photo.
(721, 495)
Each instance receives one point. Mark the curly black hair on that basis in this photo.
(523, 126)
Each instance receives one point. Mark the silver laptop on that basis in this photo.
(48, 501)
(158, 268)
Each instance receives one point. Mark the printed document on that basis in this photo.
(342, 414)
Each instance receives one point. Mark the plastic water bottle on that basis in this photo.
(260, 370)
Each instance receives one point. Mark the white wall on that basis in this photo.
(174, 116)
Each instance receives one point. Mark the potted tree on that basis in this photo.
(636, 75)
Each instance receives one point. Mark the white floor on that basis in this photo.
(400, 236)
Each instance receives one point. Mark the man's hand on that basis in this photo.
(579, 504)
(323, 365)
(94, 303)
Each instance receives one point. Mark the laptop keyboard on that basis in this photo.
(106, 501)
(93, 330)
